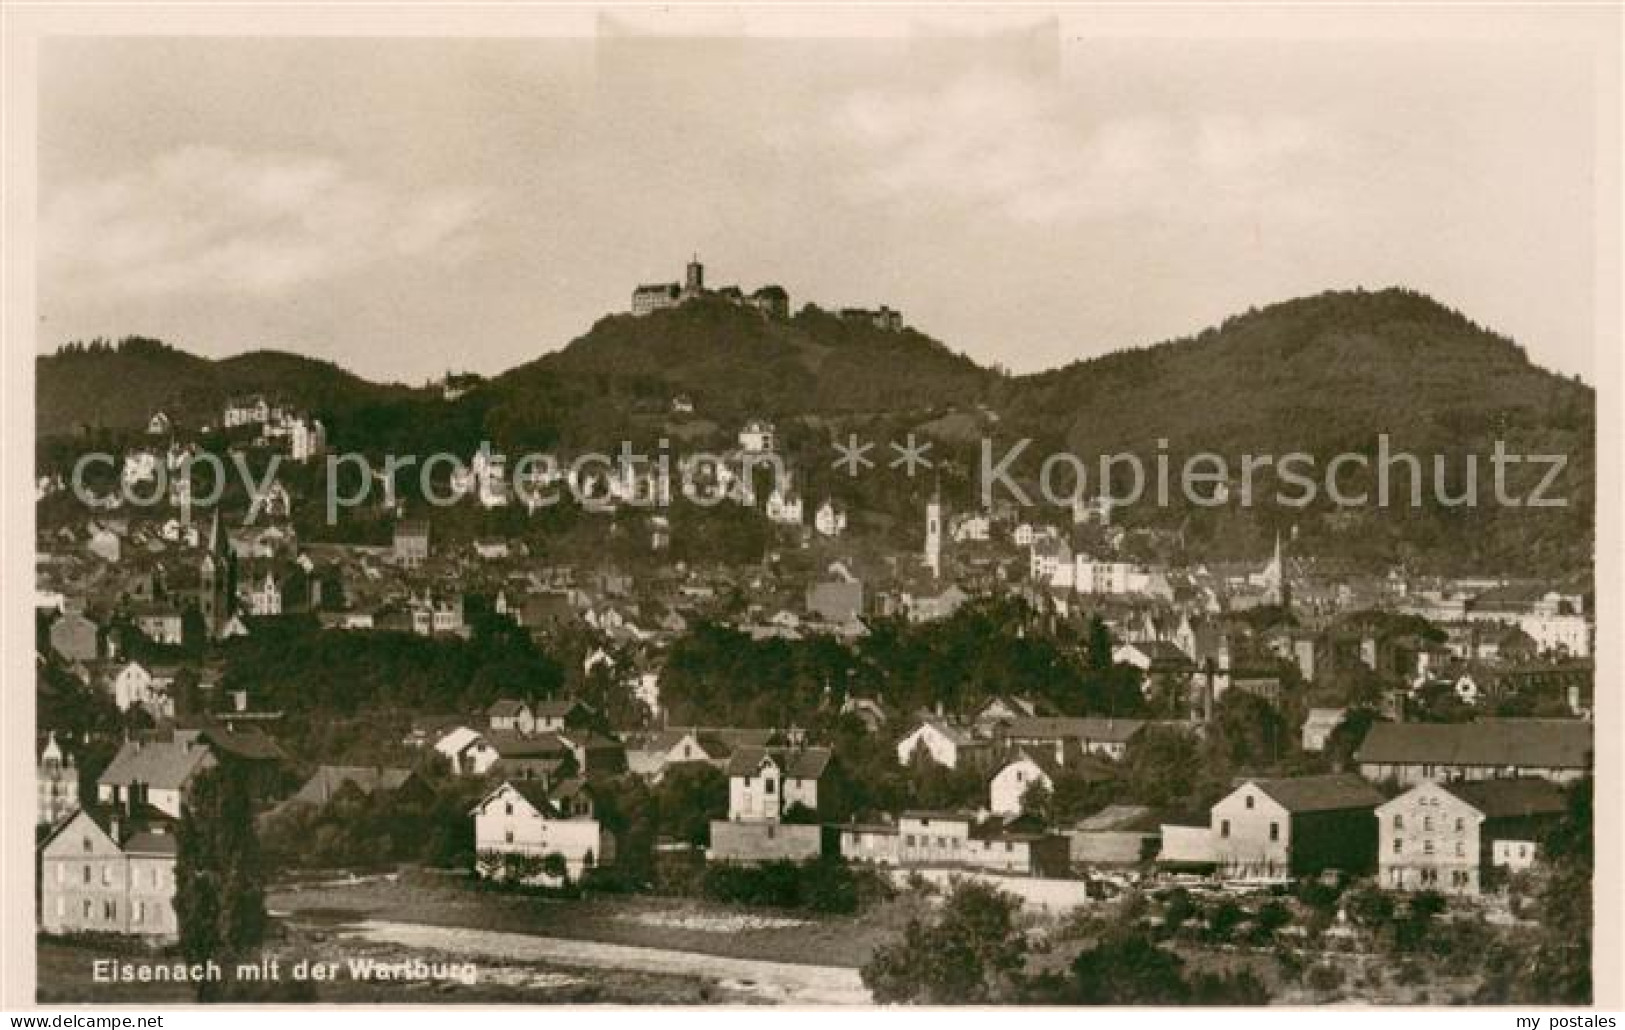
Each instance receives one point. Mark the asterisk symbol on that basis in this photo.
(911, 455)
(852, 455)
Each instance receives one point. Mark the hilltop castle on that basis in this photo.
(770, 300)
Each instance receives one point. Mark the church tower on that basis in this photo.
(1276, 589)
(694, 280)
(933, 535)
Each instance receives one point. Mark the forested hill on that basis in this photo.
(1327, 375)
(119, 386)
(1322, 375)
(731, 360)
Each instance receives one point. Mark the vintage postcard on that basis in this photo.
(725, 506)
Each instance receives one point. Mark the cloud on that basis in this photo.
(207, 219)
(1028, 150)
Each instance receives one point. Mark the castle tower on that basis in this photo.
(694, 281)
(933, 535)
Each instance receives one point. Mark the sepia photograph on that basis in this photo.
(1051, 506)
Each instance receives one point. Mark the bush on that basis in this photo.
(816, 885)
(1325, 979)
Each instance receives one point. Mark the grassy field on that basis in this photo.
(677, 924)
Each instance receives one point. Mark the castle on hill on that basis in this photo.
(770, 300)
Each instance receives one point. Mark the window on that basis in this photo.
(86, 909)
(1461, 849)
(1399, 845)
(1427, 822)
(1249, 802)
(942, 842)
(767, 786)
(1399, 822)
(1224, 828)
(87, 875)
(1461, 824)
(140, 911)
(88, 847)
(110, 910)
(908, 840)
(507, 809)
(107, 876)
(1427, 847)
(1008, 846)
(61, 906)
(1275, 831)
(59, 874)
(508, 837)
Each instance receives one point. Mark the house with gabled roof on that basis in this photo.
(1280, 828)
(764, 784)
(1069, 738)
(1002, 710)
(158, 773)
(510, 715)
(110, 870)
(1318, 725)
(1009, 786)
(329, 782)
(1559, 750)
(1449, 836)
(534, 820)
(468, 751)
(944, 743)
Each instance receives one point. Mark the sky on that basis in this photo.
(1034, 192)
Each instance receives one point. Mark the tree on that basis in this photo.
(1038, 801)
(1099, 652)
(1161, 767)
(690, 796)
(1345, 739)
(972, 955)
(1127, 968)
(219, 873)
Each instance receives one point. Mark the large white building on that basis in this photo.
(1449, 836)
(534, 821)
(765, 783)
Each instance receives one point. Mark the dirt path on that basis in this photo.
(782, 982)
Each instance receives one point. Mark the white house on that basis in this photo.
(765, 783)
(830, 519)
(945, 744)
(110, 872)
(510, 716)
(133, 684)
(1011, 783)
(784, 506)
(973, 527)
(1448, 836)
(1295, 826)
(264, 598)
(155, 773)
(757, 437)
(139, 467)
(469, 753)
(529, 819)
